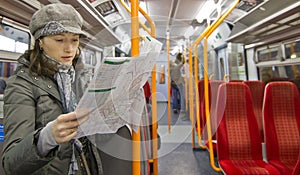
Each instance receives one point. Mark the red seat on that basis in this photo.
(257, 93)
(239, 141)
(201, 104)
(281, 117)
(296, 170)
(213, 90)
(213, 94)
(236, 81)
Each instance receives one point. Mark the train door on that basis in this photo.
(222, 63)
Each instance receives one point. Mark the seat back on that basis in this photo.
(238, 136)
(296, 170)
(257, 94)
(281, 118)
(237, 81)
(213, 93)
(201, 104)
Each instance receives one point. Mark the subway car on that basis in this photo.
(221, 86)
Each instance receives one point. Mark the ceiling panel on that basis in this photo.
(278, 25)
(188, 9)
(177, 16)
(158, 7)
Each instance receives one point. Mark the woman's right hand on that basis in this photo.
(64, 128)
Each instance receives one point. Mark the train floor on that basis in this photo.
(176, 155)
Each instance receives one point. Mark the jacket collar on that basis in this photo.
(42, 82)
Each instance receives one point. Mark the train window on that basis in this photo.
(284, 63)
(13, 39)
(13, 43)
(292, 50)
(89, 57)
(7, 68)
(279, 73)
(268, 54)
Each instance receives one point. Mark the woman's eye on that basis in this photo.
(59, 40)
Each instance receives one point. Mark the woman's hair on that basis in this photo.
(42, 66)
(179, 57)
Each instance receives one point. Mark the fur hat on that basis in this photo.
(54, 19)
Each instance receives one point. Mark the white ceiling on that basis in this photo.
(175, 16)
(179, 18)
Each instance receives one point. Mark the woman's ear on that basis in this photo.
(40, 44)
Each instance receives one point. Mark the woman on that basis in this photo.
(40, 124)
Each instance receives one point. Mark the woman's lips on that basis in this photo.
(67, 57)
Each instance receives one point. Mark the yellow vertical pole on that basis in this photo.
(206, 94)
(185, 80)
(196, 71)
(153, 90)
(154, 101)
(154, 122)
(169, 82)
(205, 34)
(136, 167)
(191, 94)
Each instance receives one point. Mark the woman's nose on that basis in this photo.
(68, 47)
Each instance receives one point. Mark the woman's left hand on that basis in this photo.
(64, 128)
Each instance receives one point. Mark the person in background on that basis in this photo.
(177, 84)
(175, 97)
(2, 86)
(39, 102)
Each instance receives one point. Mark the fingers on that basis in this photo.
(65, 127)
(66, 117)
(66, 135)
(70, 120)
(82, 119)
(68, 132)
(82, 113)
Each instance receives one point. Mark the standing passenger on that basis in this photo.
(39, 101)
(178, 85)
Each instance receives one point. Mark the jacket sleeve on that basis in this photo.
(20, 154)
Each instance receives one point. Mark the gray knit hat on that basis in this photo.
(54, 19)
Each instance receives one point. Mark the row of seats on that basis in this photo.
(237, 112)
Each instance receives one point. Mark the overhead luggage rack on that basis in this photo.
(278, 22)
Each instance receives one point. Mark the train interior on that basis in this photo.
(258, 41)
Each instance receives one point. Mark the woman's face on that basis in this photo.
(61, 47)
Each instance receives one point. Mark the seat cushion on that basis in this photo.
(241, 167)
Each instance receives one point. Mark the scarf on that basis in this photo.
(65, 77)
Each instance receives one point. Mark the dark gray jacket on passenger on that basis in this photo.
(31, 102)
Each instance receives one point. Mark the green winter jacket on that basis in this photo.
(30, 102)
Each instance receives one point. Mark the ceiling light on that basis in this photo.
(262, 9)
(293, 56)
